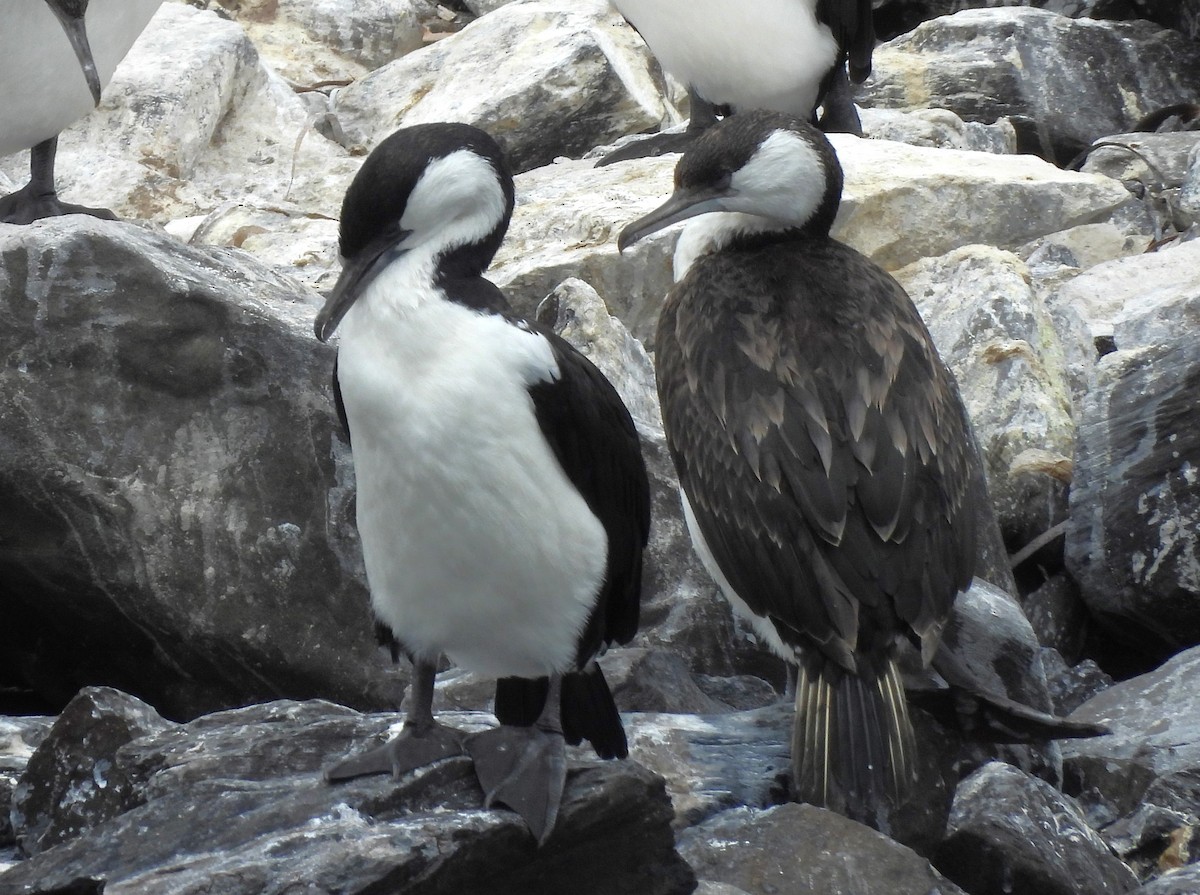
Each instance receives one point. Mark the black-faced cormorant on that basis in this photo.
(788, 56)
(48, 81)
(503, 503)
(821, 445)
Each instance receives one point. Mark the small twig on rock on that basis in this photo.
(1037, 544)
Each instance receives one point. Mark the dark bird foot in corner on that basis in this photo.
(406, 752)
(650, 147)
(524, 768)
(27, 205)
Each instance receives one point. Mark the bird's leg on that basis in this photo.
(703, 114)
(422, 741)
(38, 199)
(839, 116)
(525, 768)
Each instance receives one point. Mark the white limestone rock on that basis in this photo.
(997, 336)
(939, 128)
(1131, 294)
(902, 203)
(544, 77)
(193, 121)
(578, 314)
(311, 41)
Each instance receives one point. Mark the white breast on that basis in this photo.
(730, 56)
(44, 88)
(476, 544)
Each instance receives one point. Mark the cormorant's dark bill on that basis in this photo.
(357, 274)
(684, 203)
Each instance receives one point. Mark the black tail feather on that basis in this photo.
(588, 710)
(852, 741)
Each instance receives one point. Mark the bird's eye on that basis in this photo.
(724, 180)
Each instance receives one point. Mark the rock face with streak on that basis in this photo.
(1051, 74)
(177, 496)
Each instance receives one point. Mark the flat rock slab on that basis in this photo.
(234, 802)
(799, 848)
(1154, 750)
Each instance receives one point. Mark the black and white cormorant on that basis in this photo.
(49, 80)
(503, 503)
(788, 56)
(821, 445)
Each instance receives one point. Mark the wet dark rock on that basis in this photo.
(1153, 754)
(237, 797)
(1184, 881)
(176, 502)
(19, 737)
(740, 691)
(70, 779)
(1154, 839)
(1050, 74)
(1058, 615)
(1010, 832)
(654, 680)
(799, 848)
(1072, 686)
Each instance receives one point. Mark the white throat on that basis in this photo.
(780, 187)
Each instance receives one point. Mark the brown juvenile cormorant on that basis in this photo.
(821, 445)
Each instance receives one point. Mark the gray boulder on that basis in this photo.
(995, 333)
(1010, 832)
(544, 78)
(1153, 754)
(1052, 76)
(177, 495)
(1135, 507)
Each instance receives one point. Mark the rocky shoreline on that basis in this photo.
(186, 639)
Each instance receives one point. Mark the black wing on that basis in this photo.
(821, 444)
(853, 29)
(591, 433)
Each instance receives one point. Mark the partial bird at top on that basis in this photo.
(56, 56)
(790, 56)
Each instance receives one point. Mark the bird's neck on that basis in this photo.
(721, 230)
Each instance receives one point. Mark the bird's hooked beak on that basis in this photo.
(684, 203)
(357, 274)
(73, 24)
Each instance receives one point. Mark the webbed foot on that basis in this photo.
(401, 754)
(525, 768)
(649, 147)
(27, 205)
